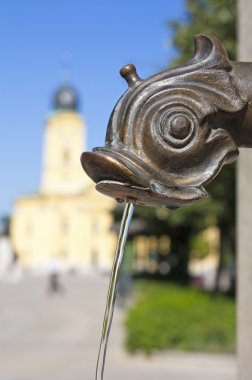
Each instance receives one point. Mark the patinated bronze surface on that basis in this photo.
(169, 135)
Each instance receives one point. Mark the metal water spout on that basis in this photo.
(169, 135)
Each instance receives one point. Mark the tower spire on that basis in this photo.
(66, 66)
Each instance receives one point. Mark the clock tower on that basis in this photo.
(64, 140)
(66, 219)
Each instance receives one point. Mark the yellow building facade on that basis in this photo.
(67, 219)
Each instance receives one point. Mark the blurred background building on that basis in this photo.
(66, 220)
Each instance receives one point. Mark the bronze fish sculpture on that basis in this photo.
(169, 135)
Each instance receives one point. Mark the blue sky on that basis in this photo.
(101, 37)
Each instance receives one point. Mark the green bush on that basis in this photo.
(178, 318)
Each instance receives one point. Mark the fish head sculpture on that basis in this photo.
(169, 135)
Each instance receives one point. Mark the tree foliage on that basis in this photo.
(216, 17)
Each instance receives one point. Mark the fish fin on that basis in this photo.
(181, 193)
(209, 48)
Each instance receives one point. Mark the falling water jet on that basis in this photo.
(111, 296)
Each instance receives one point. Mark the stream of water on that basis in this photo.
(111, 297)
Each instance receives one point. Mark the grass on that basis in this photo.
(171, 317)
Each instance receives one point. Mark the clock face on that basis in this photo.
(66, 97)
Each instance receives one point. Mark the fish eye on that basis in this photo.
(180, 127)
(177, 129)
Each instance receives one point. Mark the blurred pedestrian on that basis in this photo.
(54, 285)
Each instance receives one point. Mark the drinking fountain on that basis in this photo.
(168, 137)
(170, 134)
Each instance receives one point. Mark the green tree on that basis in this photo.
(217, 17)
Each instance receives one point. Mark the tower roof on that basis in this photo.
(66, 98)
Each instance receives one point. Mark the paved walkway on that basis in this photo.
(56, 338)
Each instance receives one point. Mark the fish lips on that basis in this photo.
(120, 173)
(123, 176)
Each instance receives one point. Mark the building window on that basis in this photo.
(66, 156)
(64, 226)
(95, 228)
(94, 257)
(28, 228)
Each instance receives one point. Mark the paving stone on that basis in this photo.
(46, 337)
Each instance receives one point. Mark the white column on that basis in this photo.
(244, 225)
